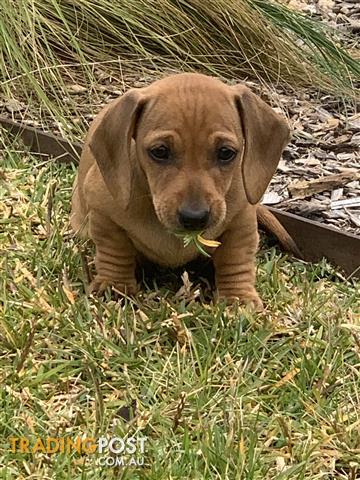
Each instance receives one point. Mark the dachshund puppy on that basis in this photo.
(187, 153)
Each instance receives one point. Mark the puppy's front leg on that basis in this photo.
(114, 258)
(234, 262)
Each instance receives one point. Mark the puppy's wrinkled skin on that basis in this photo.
(186, 152)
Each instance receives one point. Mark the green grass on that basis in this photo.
(220, 393)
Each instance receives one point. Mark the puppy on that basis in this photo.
(187, 153)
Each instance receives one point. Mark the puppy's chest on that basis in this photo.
(158, 245)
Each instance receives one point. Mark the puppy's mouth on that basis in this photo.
(178, 230)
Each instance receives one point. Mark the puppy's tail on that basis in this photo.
(272, 225)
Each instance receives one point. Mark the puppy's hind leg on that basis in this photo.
(114, 258)
(78, 216)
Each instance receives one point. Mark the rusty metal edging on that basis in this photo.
(314, 240)
(44, 143)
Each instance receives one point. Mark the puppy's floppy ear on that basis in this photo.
(110, 143)
(265, 134)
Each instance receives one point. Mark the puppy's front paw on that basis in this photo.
(249, 298)
(100, 284)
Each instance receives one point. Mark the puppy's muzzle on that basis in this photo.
(193, 219)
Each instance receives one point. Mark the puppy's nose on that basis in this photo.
(193, 219)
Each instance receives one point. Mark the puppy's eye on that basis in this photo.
(160, 154)
(225, 155)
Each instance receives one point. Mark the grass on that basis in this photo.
(219, 393)
(47, 45)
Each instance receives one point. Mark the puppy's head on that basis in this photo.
(194, 137)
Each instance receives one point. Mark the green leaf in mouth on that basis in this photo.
(199, 241)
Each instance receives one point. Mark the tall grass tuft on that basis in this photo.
(45, 44)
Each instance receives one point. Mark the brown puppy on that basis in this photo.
(187, 153)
